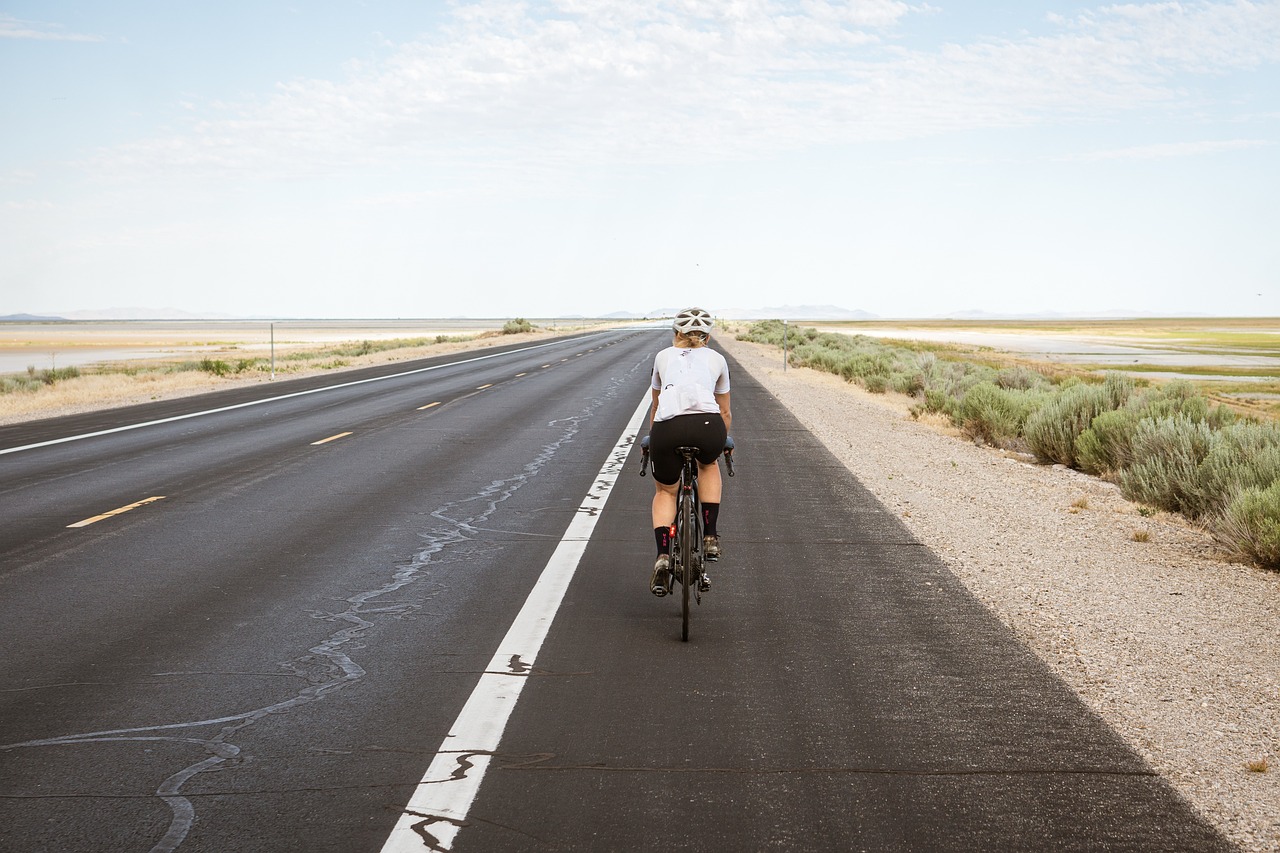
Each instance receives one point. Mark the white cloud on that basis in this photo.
(15, 28)
(1167, 150)
(609, 81)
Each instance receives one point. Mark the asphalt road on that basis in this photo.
(269, 647)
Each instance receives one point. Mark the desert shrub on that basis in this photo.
(1051, 432)
(48, 376)
(993, 414)
(19, 384)
(516, 326)
(1167, 453)
(876, 384)
(1181, 398)
(217, 367)
(935, 400)
(1020, 379)
(910, 383)
(1107, 445)
(1119, 388)
(1250, 525)
(1241, 455)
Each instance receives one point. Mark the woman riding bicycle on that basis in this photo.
(690, 409)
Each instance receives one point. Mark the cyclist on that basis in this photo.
(690, 408)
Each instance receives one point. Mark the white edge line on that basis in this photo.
(273, 399)
(441, 801)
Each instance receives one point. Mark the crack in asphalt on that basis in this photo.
(327, 668)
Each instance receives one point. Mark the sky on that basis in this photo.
(387, 158)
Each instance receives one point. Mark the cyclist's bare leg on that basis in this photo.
(708, 484)
(664, 504)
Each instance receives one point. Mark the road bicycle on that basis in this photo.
(687, 559)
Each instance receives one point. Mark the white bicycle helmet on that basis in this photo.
(693, 320)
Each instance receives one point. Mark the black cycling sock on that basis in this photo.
(710, 513)
(662, 535)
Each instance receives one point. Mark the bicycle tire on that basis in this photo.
(688, 569)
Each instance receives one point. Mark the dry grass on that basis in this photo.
(1258, 766)
(1141, 535)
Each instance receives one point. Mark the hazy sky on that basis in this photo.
(390, 158)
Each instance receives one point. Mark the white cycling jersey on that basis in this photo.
(687, 381)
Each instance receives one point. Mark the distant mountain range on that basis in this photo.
(29, 318)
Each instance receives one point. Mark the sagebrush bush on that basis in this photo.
(1167, 453)
(995, 415)
(216, 366)
(1250, 525)
(1180, 397)
(1241, 455)
(519, 324)
(1020, 379)
(1107, 445)
(1052, 431)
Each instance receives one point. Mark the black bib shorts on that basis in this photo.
(703, 431)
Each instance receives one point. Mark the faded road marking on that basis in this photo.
(119, 511)
(331, 438)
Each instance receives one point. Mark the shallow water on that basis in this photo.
(1063, 348)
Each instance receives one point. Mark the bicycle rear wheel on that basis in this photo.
(688, 529)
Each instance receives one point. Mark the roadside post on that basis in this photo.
(784, 346)
(273, 352)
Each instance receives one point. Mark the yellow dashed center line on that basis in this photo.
(518, 375)
(482, 387)
(545, 366)
(330, 438)
(122, 509)
(429, 405)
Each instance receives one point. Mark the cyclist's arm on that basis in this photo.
(653, 408)
(723, 400)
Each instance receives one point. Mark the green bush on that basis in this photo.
(1241, 455)
(519, 324)
(1250, 525)
(1052, 431)
(48, 376)
(1167, 454)
(1107, 445)
(19, 384)
(995, 415)
(1020, 379)
(217, 367)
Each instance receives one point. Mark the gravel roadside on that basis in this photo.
(1169, 642)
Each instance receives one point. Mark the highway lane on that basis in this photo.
(287, 605)
(283, 643)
